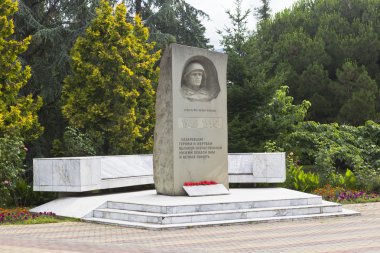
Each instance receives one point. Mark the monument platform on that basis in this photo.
(146, 209)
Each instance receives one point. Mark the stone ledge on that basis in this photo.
(80, 174)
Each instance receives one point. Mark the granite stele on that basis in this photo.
(190, 139)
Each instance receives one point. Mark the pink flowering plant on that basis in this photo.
(341, 195)
(19, 215)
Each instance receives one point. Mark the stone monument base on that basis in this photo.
(146, 209)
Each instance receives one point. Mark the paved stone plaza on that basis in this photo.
(345, 234)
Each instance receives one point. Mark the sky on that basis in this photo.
(216, 9)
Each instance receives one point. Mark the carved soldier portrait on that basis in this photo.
(199, 80)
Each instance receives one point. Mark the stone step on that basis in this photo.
(195, 217)
(152, 226)
(201, 207)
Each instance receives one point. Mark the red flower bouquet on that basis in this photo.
(199, 183)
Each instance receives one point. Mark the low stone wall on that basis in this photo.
(80, 174)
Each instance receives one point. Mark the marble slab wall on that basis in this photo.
(80, 174)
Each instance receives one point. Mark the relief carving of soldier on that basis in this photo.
(199, 81)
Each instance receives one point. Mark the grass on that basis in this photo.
(41, 220)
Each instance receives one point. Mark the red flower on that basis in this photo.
(199, 183)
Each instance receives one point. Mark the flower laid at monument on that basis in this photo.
(199, 183)
(204, 188)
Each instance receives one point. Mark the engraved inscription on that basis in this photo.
(200, 123)
(197, 148)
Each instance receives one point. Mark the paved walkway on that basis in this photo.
(345, 234)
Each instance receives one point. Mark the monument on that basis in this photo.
(190, 148)
(190, 139)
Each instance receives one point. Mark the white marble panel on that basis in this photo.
(270, 165)
(261, 214)
(241, 179)
(42, 172)
(240, 163)
(139, 218)
(185, 209)
(66, 172)
(123, 182)
(126, 166)
(178, 219)
(298, 202)
(332, 209)
(314, 201)
(98, 214)
(90, 171)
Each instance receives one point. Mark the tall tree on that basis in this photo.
(263, 12)
(357, 94)
(172, 21)
(54, 25)
(309, 47)
(233, 40)
(110, 94)
(18, 114)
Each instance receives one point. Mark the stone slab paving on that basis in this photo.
(337, 235)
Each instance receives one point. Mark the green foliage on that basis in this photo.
(327, 52)
(233, 40)
(263, 12)
(110, 94)
(298, 179)
(347, 180)
(332, 148)
(74, 143)
(357, 94)
(172, 21)
(12, 154)
(251, 129)
(18, 114)
(54, 25)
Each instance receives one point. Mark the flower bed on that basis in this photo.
(339, 194)
(20, 214)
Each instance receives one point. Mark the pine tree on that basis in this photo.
(263, 12)
(233, 40)
(18, 114)
(54, 25)
(309, 45)
(357, 94)
(110, 94)
(172, 21)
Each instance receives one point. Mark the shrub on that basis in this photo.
(298, 179)
(12, 154)
(333, 148)
(74, 143)
(348, 180)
